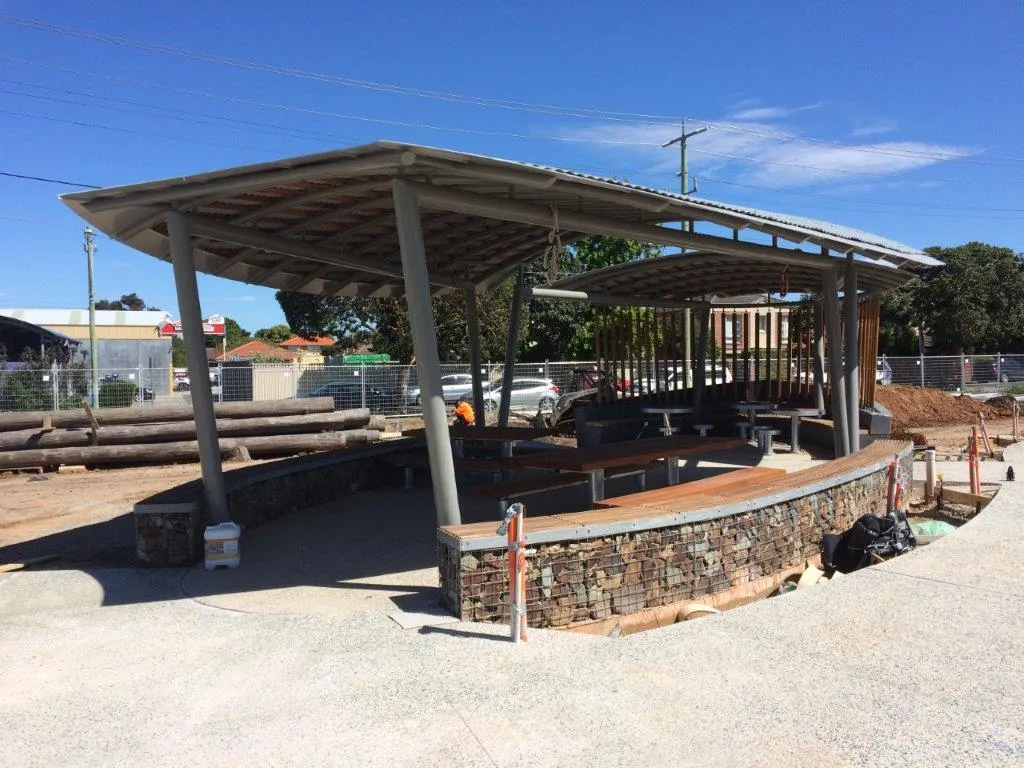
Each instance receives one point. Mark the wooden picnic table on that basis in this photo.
(596, 459)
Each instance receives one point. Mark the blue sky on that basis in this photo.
(902, 118)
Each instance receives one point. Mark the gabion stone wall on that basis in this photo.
(570, 582)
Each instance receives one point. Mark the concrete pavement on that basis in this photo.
(913, 662)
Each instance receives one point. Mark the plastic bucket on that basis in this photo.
(220, 546)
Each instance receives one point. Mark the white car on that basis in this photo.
(527, 395)
(453, 386)
(676, 378)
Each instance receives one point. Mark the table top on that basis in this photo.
(611, 455)
(809, 412)
(495, 433)
(666, 409)
(753, 405)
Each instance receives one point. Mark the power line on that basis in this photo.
(25, 177)
(852, 172)
(866, 200)
(581, 112)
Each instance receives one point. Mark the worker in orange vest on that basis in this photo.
(464, 413)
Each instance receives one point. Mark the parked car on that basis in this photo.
(453, 386)
(349, 394)
(676, 378)
(526, 395)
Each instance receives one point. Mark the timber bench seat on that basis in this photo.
(747, 478)
(503, 493)
(574, 523)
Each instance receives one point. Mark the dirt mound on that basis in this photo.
(921, 407)
(1001, 406)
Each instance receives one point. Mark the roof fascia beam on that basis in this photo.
(179, 193)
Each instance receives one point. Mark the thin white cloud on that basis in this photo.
(757, 152)
(874, 128)
(769, 113)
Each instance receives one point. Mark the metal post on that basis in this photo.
(473, 327)
(929, 474)
(362, 384)
(920, 362)
(187, 289)
(837, 384)
(852, 353)
(428, 365)
(704, 318)
(54, 385)
(819, 354)
(963, 373)
(90, 251)
(515, 315)
(999, 367)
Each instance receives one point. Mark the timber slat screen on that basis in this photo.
(753, 353)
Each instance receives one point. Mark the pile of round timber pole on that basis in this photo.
(166, 433)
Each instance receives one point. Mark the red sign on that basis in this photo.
(214, 326)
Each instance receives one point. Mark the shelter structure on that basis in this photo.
(394, 219)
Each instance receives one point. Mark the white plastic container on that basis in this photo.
(220, 544)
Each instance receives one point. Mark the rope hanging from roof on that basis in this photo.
(554, 249)
(784, 281)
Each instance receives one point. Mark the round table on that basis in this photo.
(751, 407)
(666, 412)
(795, 414)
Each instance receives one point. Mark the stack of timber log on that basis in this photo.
(157, 434)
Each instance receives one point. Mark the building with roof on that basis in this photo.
(18, 336)
(125, 340)
(308, 350)
(258, 350)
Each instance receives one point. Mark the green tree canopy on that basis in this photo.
(564, 330)
(971, 304)
(128, 302)
(275, 334)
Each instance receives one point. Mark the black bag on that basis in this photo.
(887, 536)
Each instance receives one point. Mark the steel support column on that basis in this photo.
(184, 265)
(852, 353)
(837, 384)
(700, 374)
(473, 327)
(819, 353)
(424, 342)
(515, 315)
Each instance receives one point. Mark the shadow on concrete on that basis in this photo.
(376, 549)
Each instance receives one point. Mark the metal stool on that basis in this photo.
(765, 438)
(704, 429)
(744, 428)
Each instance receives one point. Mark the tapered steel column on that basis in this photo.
(183, 262)
(515, 315)
(700, 374)
(473, 327)
(852, 353)
(837, 384)
(819, 354)
(428, 365)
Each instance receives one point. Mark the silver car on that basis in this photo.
(527, 395)
(452, 386)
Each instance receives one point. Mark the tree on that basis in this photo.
(275, 334)
(384, 322)
(128, 302)
(564, 330)
(970, 304)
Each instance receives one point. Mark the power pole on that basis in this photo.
(90, 251)
(686, 226)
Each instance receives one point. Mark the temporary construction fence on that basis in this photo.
(392, 389)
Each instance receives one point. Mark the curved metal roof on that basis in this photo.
(692, 277)
(325, 223)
